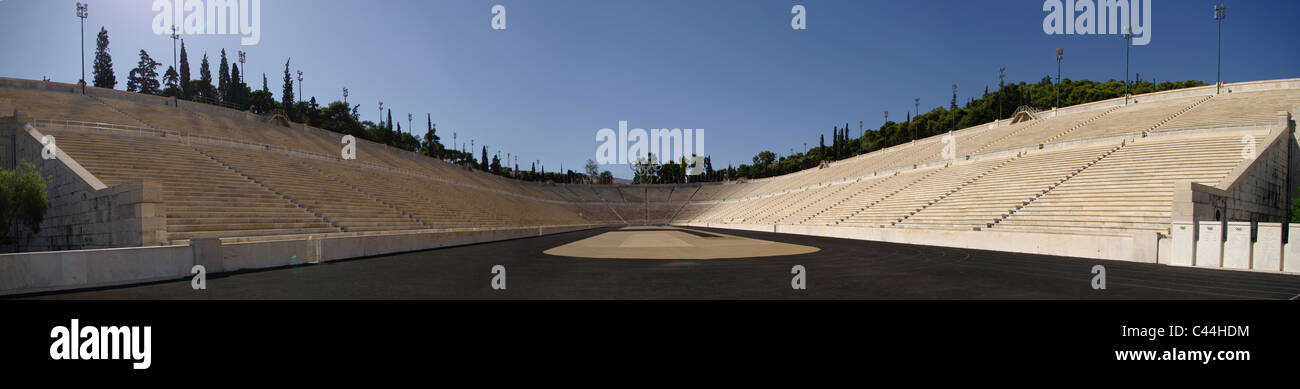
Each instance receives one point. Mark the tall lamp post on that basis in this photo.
(916, 103)
(381, 112)
(244, 76)
(176, 35)
(1220, 13)
(1060, 53)
(345, 96)
(83, 11)
(1128, 42)
(301, 93)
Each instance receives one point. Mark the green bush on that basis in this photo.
(22, 200)
(1295, 210)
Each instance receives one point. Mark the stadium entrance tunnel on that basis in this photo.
(674, 243)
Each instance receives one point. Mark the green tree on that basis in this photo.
(103, 67)
(203, 86)
(286, 97)
(144, 78)
(185, 90)
(22, 200)
(432, 145)
(172, 81)
(237, 88)
(223, 79)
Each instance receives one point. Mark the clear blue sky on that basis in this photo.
(564, 69)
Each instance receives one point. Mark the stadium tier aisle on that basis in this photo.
(1237, 109)
(923, 192)
(63, 105)
(1132, 188)
(343, 205)
(986, 200)
(203, 198)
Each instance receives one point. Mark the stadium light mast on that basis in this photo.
(1060, 53)
(175, 36)
(1002, 75)
(1220, 13)
(83, 11)
(381, 112)
(1128, 42)
(345, 95)
(408, 124)
(916, 103)
(301, 93)
(242, 58)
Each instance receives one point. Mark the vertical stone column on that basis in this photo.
(1268, 248)
(1184, 246)
(1236, 253)
(1209, 245)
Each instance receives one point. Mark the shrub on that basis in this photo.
(22, 200)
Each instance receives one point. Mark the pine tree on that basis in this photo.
(172, 81)
(265, 88)
(103, 67)
(223, 79)
(144, 78)
(485, 161)
(186, 91)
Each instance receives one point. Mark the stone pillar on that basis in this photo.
(1184, 247)
(1209, 244)
(1291, 255)
(1268, 248)
(1236, 253)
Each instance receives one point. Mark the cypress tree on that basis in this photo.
(223, 79)
(103, 67)
(186, 92)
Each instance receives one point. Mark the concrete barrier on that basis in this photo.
(64, 270)
(74, 269)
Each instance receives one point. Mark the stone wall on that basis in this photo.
(84, 213)
(1257, 191)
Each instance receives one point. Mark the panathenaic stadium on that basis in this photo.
(143, 188)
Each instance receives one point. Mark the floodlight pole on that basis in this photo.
(83, 11)
(175, 35)
(1220, 13)
(301, 93)
(1128, 43)
(1060, 53)
(408, 124)
(244, 75)
(381, 112)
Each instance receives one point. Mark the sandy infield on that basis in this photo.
(674, 243)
